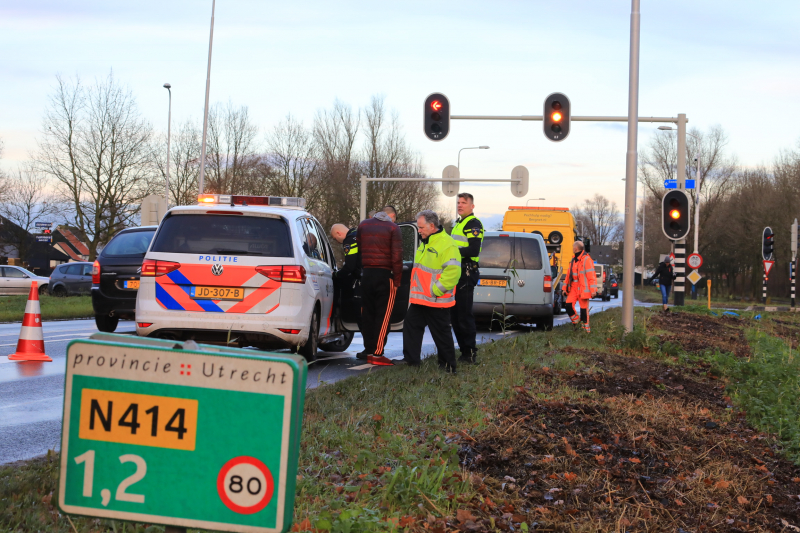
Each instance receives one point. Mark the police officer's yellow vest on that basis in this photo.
(437, 269)
(461, 238)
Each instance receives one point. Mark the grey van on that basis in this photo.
(515, 279)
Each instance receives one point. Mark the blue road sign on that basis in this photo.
(673, 184)
(44, 238)
(43, 224)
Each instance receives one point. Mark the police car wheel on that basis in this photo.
(309, 349)
(340, 345)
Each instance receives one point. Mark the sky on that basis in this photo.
(734, 63)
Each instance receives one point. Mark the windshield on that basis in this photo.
(131, 243)
(225, 235)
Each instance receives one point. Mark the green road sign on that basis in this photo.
(157, 432)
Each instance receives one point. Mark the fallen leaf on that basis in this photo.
(569, 476)
(462, 515)
(742, 500)
(796, 479)
(377, 418)
(769, 499)
(722, 484)
(679, 503)
(634, 460)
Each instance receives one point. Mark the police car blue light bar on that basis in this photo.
(240, 199)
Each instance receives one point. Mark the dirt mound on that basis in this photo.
(645, 458)
(699, 333)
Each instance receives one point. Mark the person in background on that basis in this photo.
(437, 269)
(392, 212)
(666, 275)
(380, 244)
(581, 285)
(346, 280)
(468, 235)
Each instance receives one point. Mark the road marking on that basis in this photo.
(343, 355)
(362, 367)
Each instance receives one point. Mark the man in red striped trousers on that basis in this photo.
(381, 246)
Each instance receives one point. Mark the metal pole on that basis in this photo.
(169, 136)
(696, 218)
(793, 264)
(362, 210)
(201, 181)
(680, 245)
(644, 208)
(573, 118)
(631, 163)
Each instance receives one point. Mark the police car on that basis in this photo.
(249, 271)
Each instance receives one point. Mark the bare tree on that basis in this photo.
(599, 219)
(184, 164)
(97, 147)
(26, 201)
(231, 155)
(294, 159)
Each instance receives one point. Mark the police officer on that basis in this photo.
(346, 279)
(468, 234)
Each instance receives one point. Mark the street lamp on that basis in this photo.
(469, 148)
(168, 87)
(696, 197)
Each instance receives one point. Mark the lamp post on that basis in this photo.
(469, 148)
(644, 206)
(201, 179)
(168, 87)
(696, 198)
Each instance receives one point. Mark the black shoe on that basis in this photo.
(363, 355)
(406, 362)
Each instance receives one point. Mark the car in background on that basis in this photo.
(516, 281)
(17, 280)
(602, 287)
(613, 285)
(115, 276)
(70, 278)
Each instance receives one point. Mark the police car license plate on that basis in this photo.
(217, 293)
(132, 284)
(492, 282)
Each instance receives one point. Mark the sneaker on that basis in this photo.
(379, 360)
(363, 355)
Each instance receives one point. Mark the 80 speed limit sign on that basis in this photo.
(694, 261)
(245, 485)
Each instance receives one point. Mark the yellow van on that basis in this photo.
(557, 227)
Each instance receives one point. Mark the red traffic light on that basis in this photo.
(436, 105)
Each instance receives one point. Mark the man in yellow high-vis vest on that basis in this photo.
(468, 234)
(437, 268)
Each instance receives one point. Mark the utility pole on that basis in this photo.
(644, 207)
(696, 217)
(168, 87)
(793, 264)
(201, 181)
(631, 167)
(680, 245)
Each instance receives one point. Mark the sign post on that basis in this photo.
(159, 432)
(793, 264)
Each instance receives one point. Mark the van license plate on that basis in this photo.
(217, 293)
(132, 284)
(492, 282)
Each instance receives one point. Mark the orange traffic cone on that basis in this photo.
(30, 346)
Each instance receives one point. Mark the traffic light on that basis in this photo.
(767, 244)
(437, 116)
(556, 117)
(675, 214)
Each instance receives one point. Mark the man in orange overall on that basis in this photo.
(580, 285)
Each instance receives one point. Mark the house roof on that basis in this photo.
(73, 240)
(67, 250)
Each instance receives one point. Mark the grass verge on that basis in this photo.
(553, 431)
(12, 308)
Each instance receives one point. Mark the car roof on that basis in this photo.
(137, 228)
(514, 233)
(287, 212)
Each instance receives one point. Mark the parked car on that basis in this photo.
(613, 285)
(17, 280)
(71, 278)
(115, 276)
(515, 279)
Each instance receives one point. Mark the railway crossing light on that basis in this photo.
(767, 244)
(556, 117)
(675, 215)
(437, 117)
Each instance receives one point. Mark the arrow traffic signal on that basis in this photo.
(767, 244)
(675, 215)
(437, 117)
(556, 117)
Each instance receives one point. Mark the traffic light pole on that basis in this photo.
(362, 211)
(680, 245)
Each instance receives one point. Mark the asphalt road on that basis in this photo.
(32, 394)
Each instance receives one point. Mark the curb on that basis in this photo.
(778, 309)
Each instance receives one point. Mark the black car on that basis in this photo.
(70, 278)
(115, 276)
(613, 285)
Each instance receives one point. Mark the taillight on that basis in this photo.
(285, 274)
(548, 284)
(152, 268)
(613, 284)
(604, 277)
(290, 331)
(96, 273)
(144, 324)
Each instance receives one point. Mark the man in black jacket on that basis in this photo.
(468, 234)
(665, 274)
